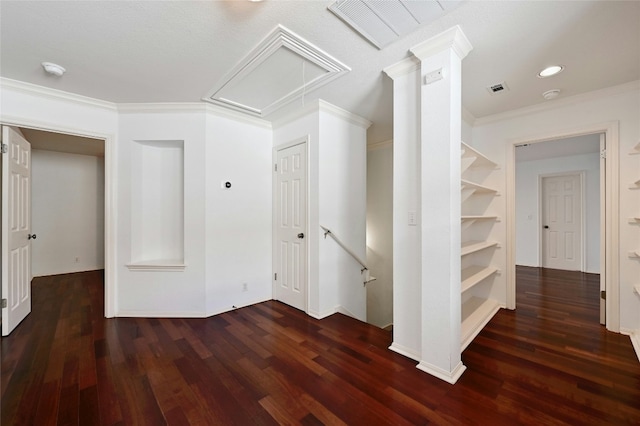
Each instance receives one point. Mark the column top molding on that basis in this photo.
(453, 38)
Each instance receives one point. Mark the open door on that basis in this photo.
(16, 228)
(603, 234)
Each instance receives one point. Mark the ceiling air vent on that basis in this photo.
(498, 88)
(384, 21)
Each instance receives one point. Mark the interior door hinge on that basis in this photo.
(4, 303)
(275, 276)
(275, 167)
(603, 294)
(5, 148)
(603, 153)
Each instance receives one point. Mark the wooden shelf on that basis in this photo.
(478, 159)
(476, 187)
(476, 313)
(469, 247)
(473, 218)
(634, 220)
(634, 254)
(635, 150)
(635, 185)
(475, 274)
(160, 265)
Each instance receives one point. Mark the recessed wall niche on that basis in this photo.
(157, 205)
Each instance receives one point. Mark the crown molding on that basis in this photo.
(161, 107)
(190, 107)
(324, 106)
(380, 145)
(344, 114)
(467, 117)
(560, 103)
(404, 67)
(59, 95)
(453, 38)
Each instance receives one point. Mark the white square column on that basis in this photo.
(427, 136)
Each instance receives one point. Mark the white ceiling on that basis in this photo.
(176, 51)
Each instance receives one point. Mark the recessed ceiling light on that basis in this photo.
(551, 94)
(53, 69)
(549, 71)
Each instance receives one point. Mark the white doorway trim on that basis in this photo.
(274, 220)
(583, 219)
(110, 180)
(609, 244)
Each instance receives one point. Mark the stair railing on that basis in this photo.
(364, 270)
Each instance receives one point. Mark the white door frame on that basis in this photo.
(274, 219)
(610, 223)
(583, 251)
(110, 288)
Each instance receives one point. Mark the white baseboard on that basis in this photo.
(635, 341)
(160, 314)
(211, 313)
(318, 315)
(404, 351)
(448, 376)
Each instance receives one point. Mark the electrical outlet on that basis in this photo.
(245, 287)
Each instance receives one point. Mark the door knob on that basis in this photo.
(301, 235)
(546, 227)
(31, 237)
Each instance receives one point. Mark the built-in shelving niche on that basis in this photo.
(157, 205)
(477, 251)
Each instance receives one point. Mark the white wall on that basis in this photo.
(528, 209)
(158, 293)
(380, 235)
(343, 208)
(620, 105)
(238, 220)
(67, 212)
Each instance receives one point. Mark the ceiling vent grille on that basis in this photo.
(384, 21)
(498, 88)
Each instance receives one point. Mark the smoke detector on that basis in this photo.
(551, 94)
(498, 88)
(53, 69)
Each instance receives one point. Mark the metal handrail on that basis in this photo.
(364, 269)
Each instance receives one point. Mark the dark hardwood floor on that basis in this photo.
(548, 362)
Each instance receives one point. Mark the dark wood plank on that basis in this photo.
(548, 362)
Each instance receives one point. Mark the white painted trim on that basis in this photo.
(402, 67)
(452, 38)
(352, 118)
(280, 37)
(380, 145)
(404, 351)
(41, 91)
(612, 206)
(156, 267)
(559, 103)
(635, 341)
(583, 217)
(324, 106)
(448, 376)
(161, 314)
(110, 200)
(467, 117)
(234, 307)
(190, 108)
(320, 315)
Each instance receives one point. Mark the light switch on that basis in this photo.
(413, 220)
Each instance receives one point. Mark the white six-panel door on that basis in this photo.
(16, 227)
(562, 222)
(291, 226)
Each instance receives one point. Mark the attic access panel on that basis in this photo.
(280, 69)
(384, 21)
